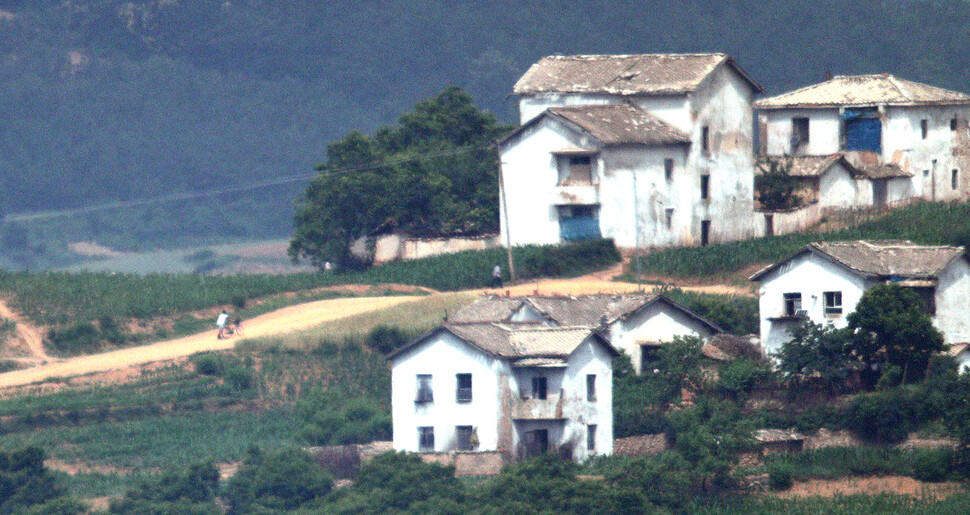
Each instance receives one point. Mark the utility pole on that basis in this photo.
(636, 231)
(505, 211)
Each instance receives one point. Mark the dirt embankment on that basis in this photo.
(27, 342)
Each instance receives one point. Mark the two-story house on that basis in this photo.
(636, 324)
(825, 280)
(653, 149)
(906, 138)
(522, 391)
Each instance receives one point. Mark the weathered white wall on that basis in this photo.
(657, 323)
(394, 247)
(837, 188)
(809, 275)
(952, 302)
(898, 190)
(443, 357)
(531, 106)
(823, 130)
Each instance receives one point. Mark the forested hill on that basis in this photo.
(107, 100)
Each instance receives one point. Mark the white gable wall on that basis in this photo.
(952, 301)
(809, 275)
(823, 131)
(588, 358)
(531, 106)
(659, 322)
(443, 357)
(837, 188)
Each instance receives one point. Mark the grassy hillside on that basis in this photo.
(930, 223)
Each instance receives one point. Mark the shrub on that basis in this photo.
(76, 339)
(332, 419)
(738, 378)
(780, 476)
(239, 378)
(891, 415)
(208, 364)
(933, 465)
(385, 339)
(280, 480)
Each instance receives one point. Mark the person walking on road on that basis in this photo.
(221, 323)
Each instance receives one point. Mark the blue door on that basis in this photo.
(578, 223)
(863, 134)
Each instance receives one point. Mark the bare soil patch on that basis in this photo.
(28, 340)
(870, 486)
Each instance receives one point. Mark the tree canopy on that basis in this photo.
(435, 173)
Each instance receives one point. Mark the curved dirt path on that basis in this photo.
(301, 316)
(29, 335)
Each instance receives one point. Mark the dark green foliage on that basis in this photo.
(333, 419)
(734, 314)
(25, 484)
(208, 363)
(665, 480)
(774, 187)
(891, 415)
(890, 326)
(370, 183)
(279, 480)
(817, 352)
(736, 379)
(930, 465)
(385, 339)
(76, 339)
(780, 476)
(189, 490)
(400, 483)
(709, 435)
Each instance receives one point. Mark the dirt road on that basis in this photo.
(280, 321)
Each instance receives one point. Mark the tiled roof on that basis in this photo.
(516, 341)
(728, 347)
(488, 309)
(883, 258)
(655, 74)
(804, 166)
(621, 124)
(776, 435)
(886, 171)
(864, 90)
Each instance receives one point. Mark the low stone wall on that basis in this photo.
(642, 445)
(394, 247)
(486, 463)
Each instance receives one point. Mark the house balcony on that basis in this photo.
(577, 193)
(549, 408)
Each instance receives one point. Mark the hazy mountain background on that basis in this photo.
(108, 100)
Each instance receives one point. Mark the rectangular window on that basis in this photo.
(793, 304)
(649, 356)
(924, 128)
(833, 302)
(669, 218)
(591, 437)
(769, 225)
(953, 124)
(669, 169)
(464, 436)
(591, 387)
(954, 175)
(799, 135)
(705, 232)
(706, 139)
(425, 392)
(575, 169)
(426, 439)
(464, 393)
(705, 187)
(539, 386)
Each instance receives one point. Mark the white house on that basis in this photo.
(824, 281)
(521, 391)
(634, 324)
(887, 127)
(651, 149)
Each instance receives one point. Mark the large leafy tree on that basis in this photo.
(817, 351)
(434, 173)
(890, 326)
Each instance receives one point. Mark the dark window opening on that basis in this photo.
(705, 187)
(591, 437)
(953, 124)
(705, 232)
(954, 175)
(793, 304)
(799, 135)
(769, 225)
(426, 439)
(590, 387)
(464, 436)
(928, 296)
(669, 218)
(536, 442)
(649, 357)
(464, 393)
(924, 128)
(425, 392)
(669, 169)
(706, 139)
(539, 387)
(833, 302)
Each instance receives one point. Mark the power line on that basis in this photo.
(27, 217)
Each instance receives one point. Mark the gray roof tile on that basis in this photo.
(864, 90)
(621, 124)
